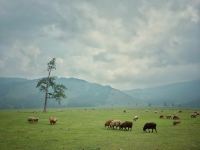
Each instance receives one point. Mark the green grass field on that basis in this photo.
(79, 129)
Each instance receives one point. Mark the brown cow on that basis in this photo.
(52, 120)
(169, 117)
(175, 117)
(115, 124)
(176, 122)
(193, 115)
(197, 113)
(126, 125)
(107, 124)
(32, 119)
(161, 116)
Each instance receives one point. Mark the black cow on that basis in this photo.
(126, 125)
(150, 125)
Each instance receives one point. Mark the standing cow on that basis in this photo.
(169, 117)
(52, 120)
(161, 116)
(135, 118)
(126, 125)
(175, 117)
(193, 115)
(150, 125)
(115, 124)
(32, 119)
(107, 124)
(175, 122)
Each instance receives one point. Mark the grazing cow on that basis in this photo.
(175, 117)
(180, 111)
(193, 115)
(135, 118)
(169, 117)
(150, 125)
(176, 122)
(115, 124)
(161, 116)
(32, 119)
(155, 112)
(107, 124)
(124, 111)
(126, 125)
(36, 119)
(52, 120)
(197, 113)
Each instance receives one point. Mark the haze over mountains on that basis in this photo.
(22, 93)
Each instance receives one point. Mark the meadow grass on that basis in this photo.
(83, 128)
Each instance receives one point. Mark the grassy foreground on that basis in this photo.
(79, 129)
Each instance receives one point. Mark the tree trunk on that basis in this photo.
(46, 93)
(45, 102)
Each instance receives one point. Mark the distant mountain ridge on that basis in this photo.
(22, 93)
(180, 94)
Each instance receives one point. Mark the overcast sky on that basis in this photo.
(123, 43)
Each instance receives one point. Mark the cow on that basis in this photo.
(161, 116)
(176, 122)
(175, 117)
(169, 117)
(194, 115)
(180, 111)
(107, 124)
(149, 125)
(126, 125)
(197, 113)
(36, 119)
(124, 111)
(115, 124)
(52, 120)
(135, 118)
(32, 119)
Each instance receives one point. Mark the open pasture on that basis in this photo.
(83, 129)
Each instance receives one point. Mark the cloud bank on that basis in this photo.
(126, 44)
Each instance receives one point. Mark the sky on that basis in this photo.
(125, 44)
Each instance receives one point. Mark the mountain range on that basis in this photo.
(22, 93)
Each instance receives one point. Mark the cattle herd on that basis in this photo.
(126, 125)
(176, 118)
(118, 124)
(52, 120)
(149, 126)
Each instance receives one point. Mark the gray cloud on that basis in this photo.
(126, 44)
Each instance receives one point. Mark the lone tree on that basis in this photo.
(51, 89)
